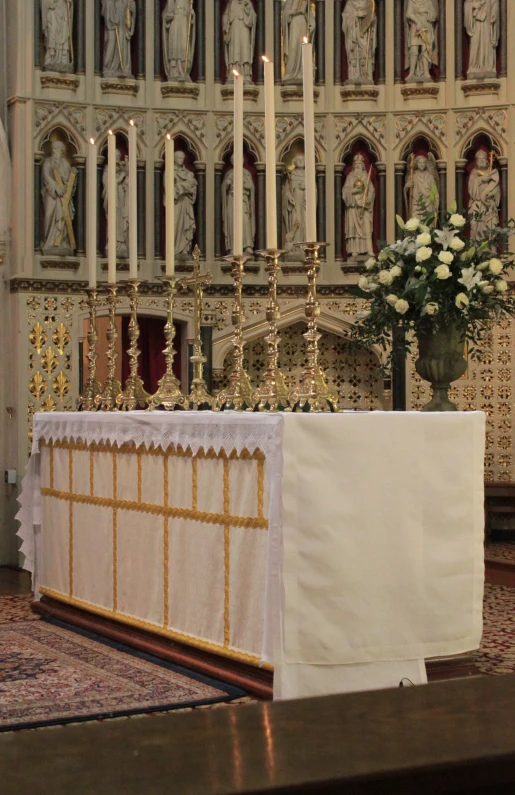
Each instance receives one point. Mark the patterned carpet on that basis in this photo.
(51, 675)
(497, 653)
(500, 552)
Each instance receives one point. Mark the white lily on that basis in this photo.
(470, 277)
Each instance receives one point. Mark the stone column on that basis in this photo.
(158, 201)
(460, 183)
(217, 37)
(142, 203)
(320, 43)
(400, 167)
(158, 41)
(458, 39)
(502, 162)
(398, 375)
(260, 39)
(442, 35)
(200, 44)
(381, 42)
(321, 227)
(80, 27)
(98, 55)
(218, 209)
(442, 187)
(100, 206)
(381, 179)
(337, 42)
(38, 160)
(398, 56)
(277, 41)
(261, 207)
(206, 335)
(140, 39)
(38, 37)
(201, 206)
(279, 171)
(80, 205)
(338, 211)
(503, 44)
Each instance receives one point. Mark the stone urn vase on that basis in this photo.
(441, 361)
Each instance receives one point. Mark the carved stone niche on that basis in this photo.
(293, 205)
(483, 190)
(179, 39)
(422, 40)
(359, 51)
(58, 192)
(359, 204)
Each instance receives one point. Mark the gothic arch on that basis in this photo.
(470, 142)
(120, 132)
(188, 140)
(60, 131)
(291, 142)
(251, 146)
(415, 136)
(349, 144)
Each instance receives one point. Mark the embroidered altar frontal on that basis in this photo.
(150, 537)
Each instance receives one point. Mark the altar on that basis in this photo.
(317, 544)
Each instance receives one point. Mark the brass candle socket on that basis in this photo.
(238, 394)
(134, 395)
(272, 392)
(199, 397)
(106, 400)
(92, 388)
(168, 395)
(312, 392)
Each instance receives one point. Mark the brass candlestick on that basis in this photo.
(134, 394)
(168, 395)
(199, 397)
(92, 387)
(238, 394)
(106, 400)
(312, 392)
(272, 393)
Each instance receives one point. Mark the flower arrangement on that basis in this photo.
(432, 279)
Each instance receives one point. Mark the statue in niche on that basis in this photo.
(178, 39)
(122, 204)
(484, 195)
(239, 28)
(294, 206)
(359, 198)
(298, 21)
(59, 185)
(120, 23)
(185, 196)
(482, 23)
(421, 34)
(359, 25)
(249, 209)
(421, 194)
(57, 20)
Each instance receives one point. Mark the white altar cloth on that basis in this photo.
(374, 557)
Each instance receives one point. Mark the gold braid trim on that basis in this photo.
(92, 473)
(70, 521)
(140, 469)
(227, 558)
(51, 451)
(115, 533)
(194, 484)
(131, 449)
(214, 648)
(260, 487)
(166, 548)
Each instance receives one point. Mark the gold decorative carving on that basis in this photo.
(347, 94)
(478, 88)
(180, 90)
(38, 337)
(60, 264)
(37, 385)
(292, 93)
(61, 385)
(249, 92)
(49, 404)
(117, 87)
(49, 361)
(59, 81)
(61, 337)
(420, 92)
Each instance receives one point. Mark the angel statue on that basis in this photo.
(421, 36)
(57, 20)
(421, 194)
(178, 39)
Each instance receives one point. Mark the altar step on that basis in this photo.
(500, 563)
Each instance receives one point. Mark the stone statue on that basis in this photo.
(185, 196)
(59, 185)
(249, 210)
(120, 23)
(178, 39)
(421, 34)
(359, 25)
(484, 195)
(57, 20)
(421, 194)
(359, 198)
(298, 21)
(294, 206)
(482, 23)
(122, 204)
(239, 27)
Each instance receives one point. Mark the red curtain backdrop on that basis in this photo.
(151, 363)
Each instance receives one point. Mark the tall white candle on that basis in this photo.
(133, 201)
(111, 208)
(309, 141)
(91, 243)
(170, 205)
(238, 166)
(271, 200)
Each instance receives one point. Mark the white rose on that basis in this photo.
(392, 299)
(488, 289)
(370, 263)
(412, 225)
(457, 220)
(385, 277)
(456, 244)
(424, 239)
(495, 266)
(431, 308)
(363, 283)
(423, 253)
(442, 272)
(372, 286)
(446, 257)
(383, 256)
(501, 286)
(461, 301)
(401, 306)
(396, 271)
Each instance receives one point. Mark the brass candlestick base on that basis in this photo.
(106, 400)
(312, 392)
(199, 397)
(92, 387)
(134, 394)
(272, 392)
(239, 393)
(168, 395)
